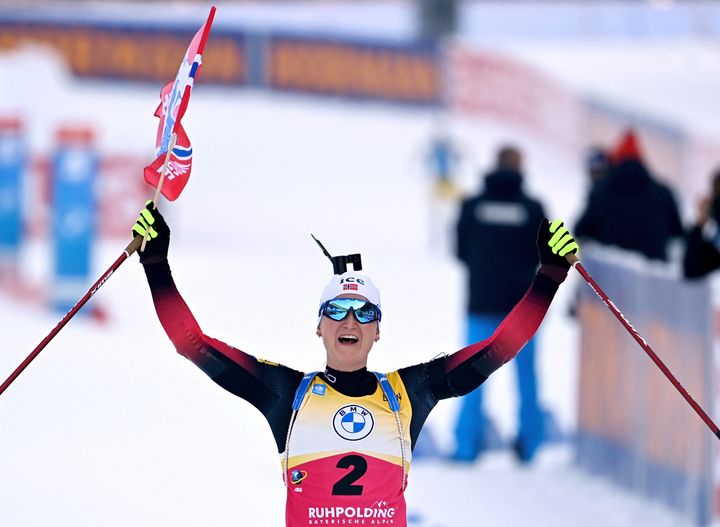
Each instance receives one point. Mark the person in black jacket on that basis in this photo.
(500, 219)
(629, 209)
(702, 251)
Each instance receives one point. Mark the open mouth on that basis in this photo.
(347, 339)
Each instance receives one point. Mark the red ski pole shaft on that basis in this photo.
(643, 343)
(129, 250)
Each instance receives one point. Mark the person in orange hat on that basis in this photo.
(629, 208)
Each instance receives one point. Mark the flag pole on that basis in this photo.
(138, 241)
(173, 138)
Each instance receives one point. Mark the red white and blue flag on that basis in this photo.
(174, 99)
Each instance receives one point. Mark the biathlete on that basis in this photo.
(345, 435)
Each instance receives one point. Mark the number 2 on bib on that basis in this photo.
(344, 486)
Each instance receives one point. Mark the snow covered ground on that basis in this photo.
(110, 427)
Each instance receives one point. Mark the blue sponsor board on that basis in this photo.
(13, 158)
(74, 172)
(634, 428)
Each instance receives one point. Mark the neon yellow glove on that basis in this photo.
(554, 242)
(145, 221)
(151, 222)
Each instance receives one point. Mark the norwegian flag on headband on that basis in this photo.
(174, 98)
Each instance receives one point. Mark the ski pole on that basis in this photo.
(575, 262)
(129, 250)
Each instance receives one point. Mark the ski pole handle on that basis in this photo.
(572, 258)
(134, 245)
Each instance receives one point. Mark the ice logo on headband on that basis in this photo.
(351, 283)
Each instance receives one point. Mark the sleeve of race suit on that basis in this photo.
(269, 387)
(469, 367)
(463, 371)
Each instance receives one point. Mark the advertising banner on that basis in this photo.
(633, 426)
(13, 158)
(73, 213)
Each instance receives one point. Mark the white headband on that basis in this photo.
(351, 282)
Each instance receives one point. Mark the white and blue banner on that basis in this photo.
(74, 172)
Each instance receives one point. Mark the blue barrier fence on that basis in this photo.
(633, 426)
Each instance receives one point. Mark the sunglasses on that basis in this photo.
(338, 309)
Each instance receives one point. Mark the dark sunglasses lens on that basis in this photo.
(366, 314)
(335, 311)
(364, 311)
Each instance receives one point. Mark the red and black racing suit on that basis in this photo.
(271, 388)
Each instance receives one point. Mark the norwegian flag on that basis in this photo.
(174, 99)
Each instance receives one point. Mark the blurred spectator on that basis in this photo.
(442, 158)
(502, 214)
(437, 19)
(702, 254)
(597, 163)
(630, 209)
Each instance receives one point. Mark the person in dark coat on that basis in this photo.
(702, 249)
(629, 209)
(597, 163)
(500, 220)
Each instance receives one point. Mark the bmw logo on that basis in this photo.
(353, 422)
